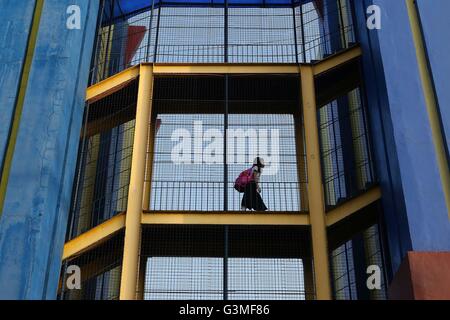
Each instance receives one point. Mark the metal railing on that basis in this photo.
(207, 196)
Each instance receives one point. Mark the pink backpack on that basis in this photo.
(245, 177)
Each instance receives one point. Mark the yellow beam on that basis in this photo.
(112, 84)
(121, 79)
(315, 188)
(350, 207)
(136, 189)
(223, 218)
(93, 236)
(336, 60)
(225, 69)
(430, 102)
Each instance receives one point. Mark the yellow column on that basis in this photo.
(135, 194)
(315, 189)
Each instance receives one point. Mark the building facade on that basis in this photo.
(124, 135)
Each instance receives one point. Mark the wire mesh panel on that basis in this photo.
(104, 161)
(323, 28)
(182, 181)
(269, 263)
(271, 136)
(215, 33)
(225, 262)
(310, 32)
(345, 147)
(191, 35)
(186, 174)
(263, 35)
(263, 121)
(349, 264)
(99, 270)
(195, 117)
(188, 278)
(125, 42)
(140, 38)
(181, 263)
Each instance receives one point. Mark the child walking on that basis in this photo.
(252, 198)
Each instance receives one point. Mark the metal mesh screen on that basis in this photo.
(264, 35)
(192, 35)
(324, 29)
(180, 33)
(269, 263)
(280, 185)
(345, 147)
(349, 264)
(100, 270)
(225, 262)
(104, 161)
(256, 116)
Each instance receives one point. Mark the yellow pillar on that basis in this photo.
(135, 194)
(315, 189)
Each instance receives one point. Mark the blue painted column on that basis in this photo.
(435, 26)
(413, 199)
(34, 216)
(16, 24)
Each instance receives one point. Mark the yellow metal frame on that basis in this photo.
(315, 189)
(353, 205)
(226, 218)
(112, 84)
(94, 236)
(139, 189)
(130, 261)
(229, 68)
(336, 60)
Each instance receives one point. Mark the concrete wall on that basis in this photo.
(34, 219)
(16, 24)
(415, 212)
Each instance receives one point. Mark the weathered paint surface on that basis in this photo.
(34, 220)
(16, 24)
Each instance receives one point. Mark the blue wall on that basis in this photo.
(16, 24)
(33, 224)
(413, 200)
(436, 26)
